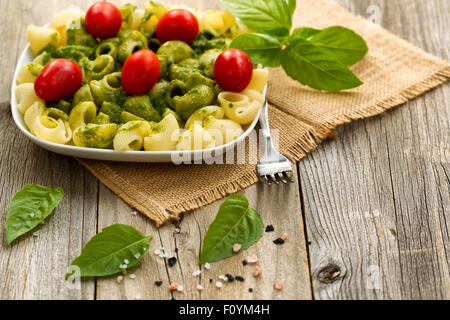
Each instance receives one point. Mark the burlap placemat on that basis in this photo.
(393, 72)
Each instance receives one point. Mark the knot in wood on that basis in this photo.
(329, 274)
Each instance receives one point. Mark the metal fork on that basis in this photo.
(272, 167)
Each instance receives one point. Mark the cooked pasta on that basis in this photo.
(241, 107)
(259, 80)
(223, 131)
(82, 114)
(202, 114)
(93, 135)
(26, 97)
(29, 72)
(52, 130)
(40, 38)
(164, 135)
(61, 21)
(197, 138)
(130, 136)
(33, 112)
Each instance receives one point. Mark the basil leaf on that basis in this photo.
(235, 223)
(262, 16)
(345, 44)
(316, 68)
(304, 33)
(261, 48)
(29, 207)
(116, 248)
(292, 4)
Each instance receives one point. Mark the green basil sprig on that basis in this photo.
(235, 223)
(29, 208)
(316, 58)
(115, 249)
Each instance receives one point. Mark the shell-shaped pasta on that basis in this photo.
(223, 131)
(52, 130)
(259, 80)
(82, 114)
(98, 136)
(197, 138)
(214, 20)
(33, 112)
(207, 61)
(241, 107)
(40, 38)
(28, 73)
(26, 97)
(130, 136)
(61, 21)
(165, 135)
(202, 114)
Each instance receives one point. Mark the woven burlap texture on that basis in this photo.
(393, 72)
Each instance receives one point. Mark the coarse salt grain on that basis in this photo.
(196, 273)
(157, 252)
(32, 215)
(207, 266)
(132, 276)
(200, 287)
(257, 272)
(252, 259)
(177, 230)
(123, 266)
(219, 284)
(222, 277)
(137, 255)
(138, 297)
(119, 279)
(134, 213)
(278, 285)
(126, 261)
(237, 247)
(180, 288)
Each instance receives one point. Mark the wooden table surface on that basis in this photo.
(368, 216)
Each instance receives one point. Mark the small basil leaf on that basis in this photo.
(30, 207)
(292, 4)
(116, 248)
(304, 33)
(345, 44)
(235, 223)
(316, 68)
(261, 49)
(261, 15)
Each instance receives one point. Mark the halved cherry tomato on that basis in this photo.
(59, 79)
(103, 20)
(233, 70)
(177, 24)
(140, 72)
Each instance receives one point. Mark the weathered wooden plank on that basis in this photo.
(377, 198)
(34, 267)
(274, 203)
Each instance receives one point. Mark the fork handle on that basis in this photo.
(265, 128)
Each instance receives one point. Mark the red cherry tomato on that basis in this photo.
(233, 70)
(59, 79)
(140, 72)
(103, 20)
(177, 24)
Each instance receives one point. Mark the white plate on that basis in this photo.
(111, 155)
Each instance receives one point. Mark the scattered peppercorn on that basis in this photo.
(172, 261)
(176, 250)
(250, 290)
(210, 280)
(278, 241)
(229, 277)
(270, 228)
(240, 279)
(244, 262)
(158, 283)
